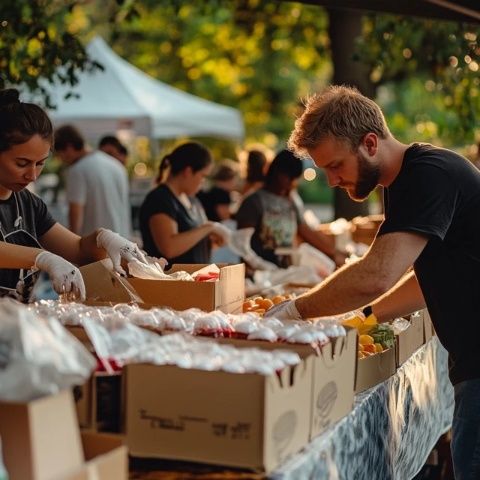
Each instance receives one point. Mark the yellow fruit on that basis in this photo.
(354, 322)
(369, 348)
(378, 348)
(368, 324)
(366, 340)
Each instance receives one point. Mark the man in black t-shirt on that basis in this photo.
(432, 203)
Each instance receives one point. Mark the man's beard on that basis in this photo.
(368, 177)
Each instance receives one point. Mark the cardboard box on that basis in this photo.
(40, 439)
(333, 376)
(227, 294)
(410, 340)
(375, 369)
(106, 458)
(239, 420)
(99, 403)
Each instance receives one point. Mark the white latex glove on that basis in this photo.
(222, 231)
(65, 277)
(285, 310)
(119, 248)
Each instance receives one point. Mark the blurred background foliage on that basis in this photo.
(260, 56)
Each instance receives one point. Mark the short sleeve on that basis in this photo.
(43, 219)
(250, 212)
(75, 186)
(422, 202)
(160, 201)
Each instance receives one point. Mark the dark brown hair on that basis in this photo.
(191, 154)
(20, 121)
(68, 135)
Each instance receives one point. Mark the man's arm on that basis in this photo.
(75, 217)
(404, 298)
(359, 283)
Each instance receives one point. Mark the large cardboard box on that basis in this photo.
(40, 439)
(227, 294)
(410, 340)
(106, 458)
(239, 420)
(375, 369)
(333, 376)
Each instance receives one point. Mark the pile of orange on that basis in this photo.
(260, 305)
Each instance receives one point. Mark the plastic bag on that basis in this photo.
(240, 244)
(37, 355)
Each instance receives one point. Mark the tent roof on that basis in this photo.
(122, 96)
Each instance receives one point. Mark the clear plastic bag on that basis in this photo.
(37, 355)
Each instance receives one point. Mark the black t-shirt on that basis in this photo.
(213, 197)
(162, 200)
(437, 193)
(35, 222)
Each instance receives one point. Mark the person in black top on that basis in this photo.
(432, 200)
(218, 200)
(30, 239)
(173, 223)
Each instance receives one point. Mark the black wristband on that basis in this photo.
(367, 311)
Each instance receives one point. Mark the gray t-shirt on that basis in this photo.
(100, 183)
(275, 219)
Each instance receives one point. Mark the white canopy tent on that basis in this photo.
(123, 97)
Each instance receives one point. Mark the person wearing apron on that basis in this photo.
(30, 239)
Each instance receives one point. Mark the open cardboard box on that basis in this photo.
(375, 369)
(240, 420)
(410, 340)
(333, 376)
(40, 439)
(226, 294)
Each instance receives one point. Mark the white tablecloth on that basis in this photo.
(391, 430)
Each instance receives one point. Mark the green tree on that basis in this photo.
(39, 42)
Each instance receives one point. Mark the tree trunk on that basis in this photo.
(345, 26)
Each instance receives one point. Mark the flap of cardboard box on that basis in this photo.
(106, 458)
(104, 285)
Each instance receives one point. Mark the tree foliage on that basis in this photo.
(438, 62)
(39, 42)
(260, 56)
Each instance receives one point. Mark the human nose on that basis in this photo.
(31, 174)
(332, 179)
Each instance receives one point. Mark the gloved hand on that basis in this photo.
(222, 231)
(119, 248)
(65, 277)
(285, 310)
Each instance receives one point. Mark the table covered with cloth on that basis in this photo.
(391, 430)
(387, 436)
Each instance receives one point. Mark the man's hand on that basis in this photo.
(119, 248)
(285, 310)
(65, 277)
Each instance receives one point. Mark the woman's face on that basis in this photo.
(194, 180)
(22, 164)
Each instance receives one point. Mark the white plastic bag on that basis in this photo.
(37, 355)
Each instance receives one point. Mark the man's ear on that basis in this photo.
(370, 142)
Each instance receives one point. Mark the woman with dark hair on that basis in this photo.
(275, 214)
(30, 239)
(172, 220)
